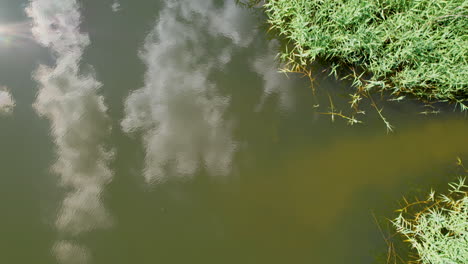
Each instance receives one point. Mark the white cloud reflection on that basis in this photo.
(115, 6)
(274, 82)
(179, 110)
(69, 98)
(71, 253)
(7, 103)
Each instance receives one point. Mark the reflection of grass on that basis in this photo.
(414, 47)
(437, 227)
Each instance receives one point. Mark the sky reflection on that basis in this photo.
(7, 103)
(251, 172)
(69, 98)
(180, 109)
(15, 34)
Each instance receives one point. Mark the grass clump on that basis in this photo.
(416, 47)
(437, 228)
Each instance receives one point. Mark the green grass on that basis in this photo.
(437, 228)
(402, 46)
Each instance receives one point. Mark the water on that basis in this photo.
(194, 149)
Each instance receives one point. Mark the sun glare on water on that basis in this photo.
(15, 34)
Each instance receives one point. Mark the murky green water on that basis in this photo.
(194, 149)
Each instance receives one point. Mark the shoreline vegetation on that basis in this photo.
(429, 229)
(436, 227)
(407, 48)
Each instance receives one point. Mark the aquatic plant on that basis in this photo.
(405, 47)
(437, 227)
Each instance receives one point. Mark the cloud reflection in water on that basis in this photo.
(70, 253)
(266, 66)
(7, 103)
(69, 98)
(180, 110)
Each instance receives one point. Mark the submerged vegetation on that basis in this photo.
(437, 227)
(406, 47)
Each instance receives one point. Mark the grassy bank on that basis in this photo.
(437, 228)
(402, 46)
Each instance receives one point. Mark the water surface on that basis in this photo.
(161, 132)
